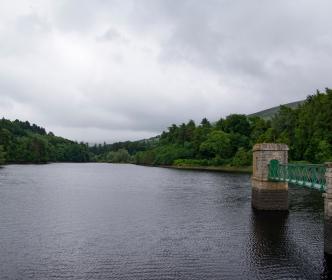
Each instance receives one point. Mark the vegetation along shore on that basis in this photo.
(224, 145)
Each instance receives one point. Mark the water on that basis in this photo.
(105, 221)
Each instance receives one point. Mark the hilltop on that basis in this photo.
(267, 114)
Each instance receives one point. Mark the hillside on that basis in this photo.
(267, 114)
(22, 142)
(228, 142)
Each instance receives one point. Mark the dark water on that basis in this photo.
(104, 221)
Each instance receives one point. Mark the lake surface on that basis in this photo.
(107, 221)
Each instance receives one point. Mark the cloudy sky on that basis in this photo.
(109, 70)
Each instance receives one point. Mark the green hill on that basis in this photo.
(22, 142)
(267, 114)
(306, 126)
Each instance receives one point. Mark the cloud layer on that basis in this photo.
(116, 70)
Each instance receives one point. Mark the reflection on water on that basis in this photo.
(269, 235)
(274, 251)
(290, 243)
(104, 221)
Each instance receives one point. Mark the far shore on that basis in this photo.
(233, 169)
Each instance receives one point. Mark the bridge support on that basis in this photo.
(267, 195)
(328, 211)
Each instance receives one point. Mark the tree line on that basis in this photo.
(307, 130)
(22, 142)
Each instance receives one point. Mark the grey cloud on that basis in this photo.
(23, 35)
(31, 24)
(109, 35)
(76, 15)
(266, 41)
(131, 68)
(85, 15)
(253, 34)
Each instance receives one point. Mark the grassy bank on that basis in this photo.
(245, 169)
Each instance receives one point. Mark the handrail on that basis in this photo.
(307, 175)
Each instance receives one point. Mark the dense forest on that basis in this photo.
(21, 142)
(307, 130)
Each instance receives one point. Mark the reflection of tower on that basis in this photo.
(273, 250)
(270, 250)
(327, 274)
(328, 212)
(268, 236)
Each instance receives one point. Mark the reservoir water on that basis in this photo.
(115, 221)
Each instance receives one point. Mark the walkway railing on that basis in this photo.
(307, 175)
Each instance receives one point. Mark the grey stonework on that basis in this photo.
(263, 154)
(328, 210)
(267, 199)
(268, 195)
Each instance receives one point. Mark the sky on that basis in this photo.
(113, 70)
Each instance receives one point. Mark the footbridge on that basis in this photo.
(305, 175)
(272, 173)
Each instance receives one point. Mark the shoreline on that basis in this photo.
(229, 169)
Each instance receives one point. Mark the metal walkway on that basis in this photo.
(307, 175)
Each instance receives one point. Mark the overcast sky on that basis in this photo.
(107, 70)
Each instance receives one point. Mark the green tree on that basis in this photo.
(324, 152)
(258, 126)
(38, 151)
(242, 158)
(218, 143)
(146, 157)
(25, 142)
(237, 124)
(2, 155)
(119, 156)
(205, 122)
(269, 136)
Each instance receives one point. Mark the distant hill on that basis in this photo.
(269, 113)
(22, 142)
